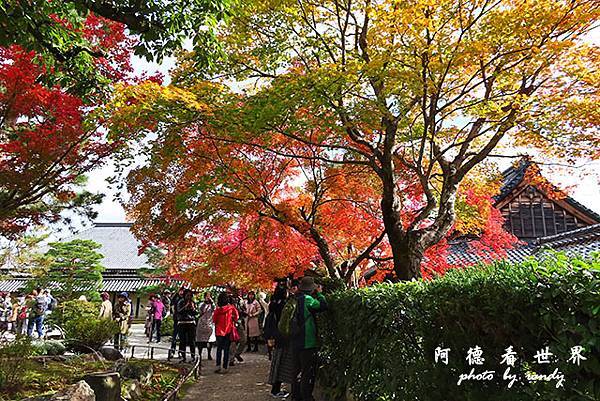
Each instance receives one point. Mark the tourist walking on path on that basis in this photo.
(13, 314)
(37, 310)
(205, 329)
(282, 362)
(224, 318)
(158, 312)
(51, 302)
(106, 309)
(253, 309)
(131, 310)
(174, 301)
(121, 314)
(237, 347)
(186, 321)
(310, 301)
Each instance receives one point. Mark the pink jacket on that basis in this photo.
(158, 309)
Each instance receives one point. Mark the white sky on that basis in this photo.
(582, 182)
(110, 210)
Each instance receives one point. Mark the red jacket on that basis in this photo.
(224, 318)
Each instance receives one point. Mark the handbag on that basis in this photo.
(234, 336)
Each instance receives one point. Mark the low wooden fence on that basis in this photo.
(193, 371)
(173, 395)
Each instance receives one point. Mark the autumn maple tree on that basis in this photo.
(431, 87)
(416, 92)
(48, 140)
(226, 211)
(225, 203)
(55, 28)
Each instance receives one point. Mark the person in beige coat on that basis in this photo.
(253, 309)
(106, 309)
(121, 314)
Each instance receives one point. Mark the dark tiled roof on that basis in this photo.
(581, 242)
(513, 176)
(583, 208)
(108, 285)
(119, 246)
(462, 254)
(129, 285)
(13, 285)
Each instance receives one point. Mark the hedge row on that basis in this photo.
(379, 342)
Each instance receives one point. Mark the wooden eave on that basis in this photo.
(579, 214)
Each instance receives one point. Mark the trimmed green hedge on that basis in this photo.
(379, 342)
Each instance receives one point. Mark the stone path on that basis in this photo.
(142, 347)
(244, 382)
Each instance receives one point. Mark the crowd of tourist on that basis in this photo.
(235, 323)
(26, 312)
(291, 331)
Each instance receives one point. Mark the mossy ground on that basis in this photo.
(49, 376)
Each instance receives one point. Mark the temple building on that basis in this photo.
(540, 215)
(122, 261)
(534, 208)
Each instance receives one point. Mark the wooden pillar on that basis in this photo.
(137, 306)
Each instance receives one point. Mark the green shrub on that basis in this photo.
(38, 347)
(83, 332)
(12, 363)
(379, 342)
(166, 328)
(48, 347)
(75, 309)
(53, 347)
(79, 320)
(330, 284)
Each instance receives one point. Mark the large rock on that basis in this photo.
(110, 354)
(79, 391)
(132, 390)
(106, 386)
(138, 371)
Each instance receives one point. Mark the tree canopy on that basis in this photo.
(49, 138)
(57, 27)
(75, 267)
(227, 212)
(415, 93)
(59, 61)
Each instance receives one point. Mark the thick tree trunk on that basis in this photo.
(409, 259)
(407, 252)
(407, 255)
(324, 251)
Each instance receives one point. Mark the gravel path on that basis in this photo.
(244, 382)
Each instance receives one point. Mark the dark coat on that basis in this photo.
(186, 312)
(271, 322)
(174, 301)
